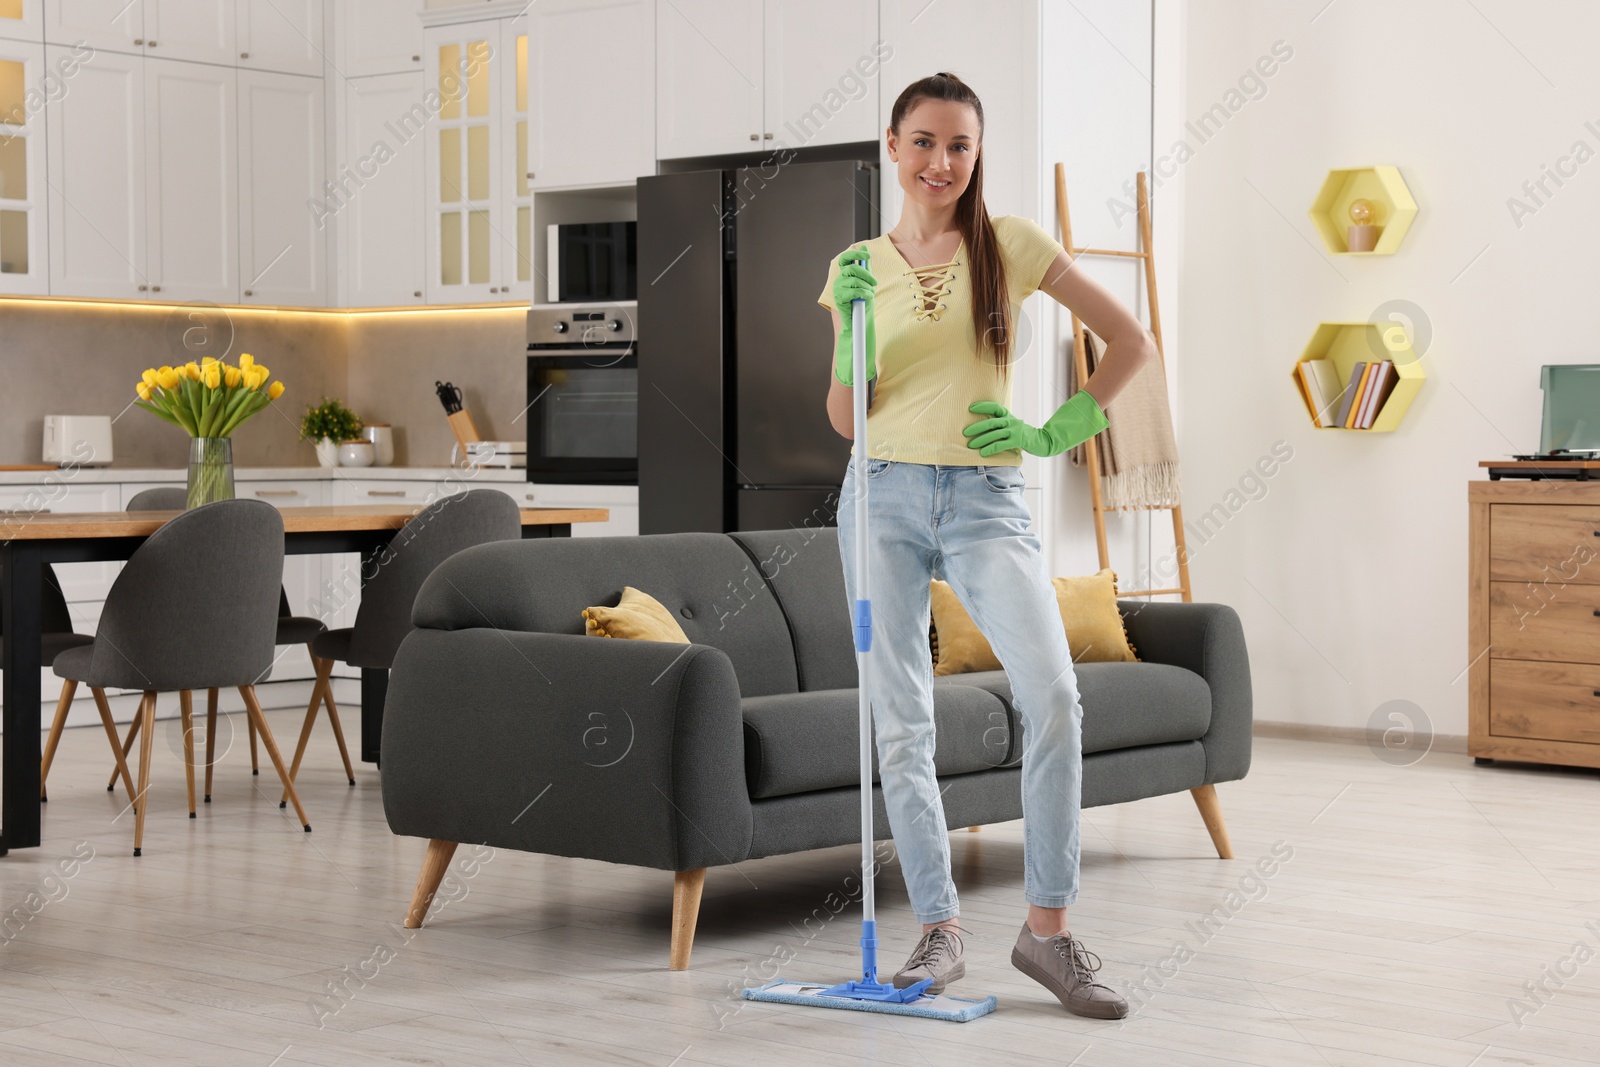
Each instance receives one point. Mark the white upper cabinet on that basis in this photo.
(202, 31)
(104, 25)
(22, 20)
(281, 35)
(516, 245)
(467, 223)
(709, 59)
(591, 123)
(380, 221)
(191, 180)
(283, 242)
(97, 178)
(24, 264)
(379, 37)
(822, 84)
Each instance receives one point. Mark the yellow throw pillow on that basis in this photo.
(1089, 616)
(638, 616)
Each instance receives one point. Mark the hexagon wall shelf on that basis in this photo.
(1349, 343)
(1391, 200)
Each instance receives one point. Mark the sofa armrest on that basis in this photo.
(1209, 640)
(625, 751)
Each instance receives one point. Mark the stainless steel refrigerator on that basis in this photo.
(735, 354)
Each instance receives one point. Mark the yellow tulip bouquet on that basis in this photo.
(208, 400)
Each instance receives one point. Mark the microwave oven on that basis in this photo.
(591, 262)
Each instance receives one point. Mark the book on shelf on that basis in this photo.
(1378, 391)
(1351, 389)
(1320, 383)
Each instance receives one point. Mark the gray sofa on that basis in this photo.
(505, 725)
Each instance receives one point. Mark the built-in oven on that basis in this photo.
(583, 394)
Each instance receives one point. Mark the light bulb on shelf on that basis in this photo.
(1361, 211)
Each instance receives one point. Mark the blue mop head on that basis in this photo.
(951, 1009)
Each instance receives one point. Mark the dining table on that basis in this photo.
(31, 540)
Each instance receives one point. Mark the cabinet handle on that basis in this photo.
(277, 492)
(143, 288)
(755, 137)
(24, 511)
(386, 492)
(416, 59)
(419, 293)
(138, 40)
(767, 136)
(150, 43)
(155, 288)
(249, 292)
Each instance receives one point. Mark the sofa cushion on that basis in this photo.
(806, 573)
(638, 616)
(799, 742)
(542, 585)
(1124, 704)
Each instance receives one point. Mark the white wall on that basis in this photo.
(1349, 567)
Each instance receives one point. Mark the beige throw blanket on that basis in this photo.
(1138, 452)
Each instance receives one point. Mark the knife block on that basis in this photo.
(461, 425)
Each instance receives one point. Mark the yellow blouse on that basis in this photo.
(929, 372)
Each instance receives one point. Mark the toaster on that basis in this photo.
(77, 440)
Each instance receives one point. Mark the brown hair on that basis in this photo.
(991, 302)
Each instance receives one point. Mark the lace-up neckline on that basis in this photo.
(928, 297)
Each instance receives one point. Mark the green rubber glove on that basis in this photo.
(1074, 422)
(854, 282)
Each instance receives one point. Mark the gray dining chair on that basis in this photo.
(292, 630)
(57, 636)
(428, 538)
(192, 609)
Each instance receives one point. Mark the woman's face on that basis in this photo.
(935, 151)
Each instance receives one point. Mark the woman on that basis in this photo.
(945, 474)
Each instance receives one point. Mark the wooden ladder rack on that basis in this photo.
(1081, 362)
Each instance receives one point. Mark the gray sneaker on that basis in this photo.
(937, 956)
(1062, 966)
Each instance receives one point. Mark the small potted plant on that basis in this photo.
(328, 425)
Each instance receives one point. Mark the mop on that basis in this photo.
(867, 993)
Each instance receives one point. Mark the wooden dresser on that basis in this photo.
(1533, 621)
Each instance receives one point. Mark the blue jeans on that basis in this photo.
(969, 526)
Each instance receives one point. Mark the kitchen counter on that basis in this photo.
(114, 473)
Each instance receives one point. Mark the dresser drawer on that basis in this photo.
(387, 491)
(1552, 543)
(1544, 701)
(283, 494)
(1545, 621)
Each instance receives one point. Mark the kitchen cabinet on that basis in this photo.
(379, 37)
(22, 20)
(24, 262)
(282, 242)
(516, 249)
(734, 76)
(144, 188)
(96, 201)
(709, 60)
(191, 180)
(201, 31)
(587, 124)
(281, 35)
(381, 246)
(466, 187)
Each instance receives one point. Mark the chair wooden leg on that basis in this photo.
(186, 709)
(1211, 811)
(147, 713)
(325, 673)
(211, 738)
(434, 864)
(305, 735)
(250, 724)
(253, 709)
(686, 887)
(127, 749)
(117, 752)
(68, 688)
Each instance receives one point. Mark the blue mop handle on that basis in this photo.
(863, 634)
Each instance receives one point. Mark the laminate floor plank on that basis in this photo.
(1417, 903)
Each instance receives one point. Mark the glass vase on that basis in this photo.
(210, 470)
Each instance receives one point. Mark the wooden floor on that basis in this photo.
(1413, 905)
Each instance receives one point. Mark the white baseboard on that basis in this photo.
(1350, 735)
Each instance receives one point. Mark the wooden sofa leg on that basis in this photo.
(686, 887)
(434, 864)
(1206, 799)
